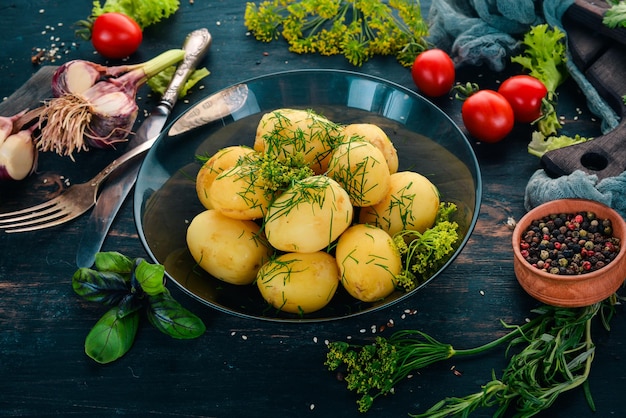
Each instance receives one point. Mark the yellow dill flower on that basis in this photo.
(357, 29)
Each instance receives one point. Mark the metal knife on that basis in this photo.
(118, 186)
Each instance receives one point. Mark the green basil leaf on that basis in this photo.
(150, 277)
(129, 304)
(169, 317)
(112, 336)
(113, 261)
(97, 286)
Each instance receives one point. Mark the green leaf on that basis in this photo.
(129, 304)
(160, 81)
(95, 286)
(169, 317)
(112, 336)
(541, 144)
(615, 16)
(150, 277)
(144, 12)
(113, 261)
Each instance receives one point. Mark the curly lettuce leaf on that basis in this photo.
(144, 12)
(540, 144)
(615, 16)
(544, 58)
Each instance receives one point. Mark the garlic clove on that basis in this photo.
(6, 125)
(18, 156)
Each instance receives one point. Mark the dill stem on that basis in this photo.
(517, 330)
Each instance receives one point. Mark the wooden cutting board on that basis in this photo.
(31, 93)
(600, 53)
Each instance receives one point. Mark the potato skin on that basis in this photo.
(229, 249)
(286, 132)
(375, 136)
(222, 160)
(411, 203)
(308, 216)
(238, 193)
(360, 168)
(368, 262)
(299, 283)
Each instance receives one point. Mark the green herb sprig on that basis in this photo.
(356, 29)
(423, 253)
(553, 354)
(129, 287)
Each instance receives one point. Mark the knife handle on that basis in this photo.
(196, 45)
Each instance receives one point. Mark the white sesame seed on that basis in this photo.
(41, 11)
(312, 406)
(244, 337)
(362, 330)
(315, 340)
(482, 293)
(326, 342)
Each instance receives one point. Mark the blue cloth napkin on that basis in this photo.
(488, 32)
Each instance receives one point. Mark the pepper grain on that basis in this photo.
(569, 244)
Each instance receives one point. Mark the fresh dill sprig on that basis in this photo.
(356, 29)
(554, 353)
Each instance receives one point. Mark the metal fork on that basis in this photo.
(73, 202)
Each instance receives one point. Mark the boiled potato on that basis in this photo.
(299, 283)
(229, 249)
(285, 133)
(360, 168)
(368, 261)
(411, 203)
(308, 216)
(376, 136)
(223, 159)
(238, 193)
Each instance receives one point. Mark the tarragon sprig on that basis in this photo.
(357, 29)
(554, 352)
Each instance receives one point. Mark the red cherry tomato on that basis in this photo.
(525, 94)
(433, 72)
(488, 116)
(115, 35)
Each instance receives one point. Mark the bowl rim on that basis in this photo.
(472, 164)
(544, 209)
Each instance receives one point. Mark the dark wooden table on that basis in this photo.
(242, 367)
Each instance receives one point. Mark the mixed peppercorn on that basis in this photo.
(569, 244)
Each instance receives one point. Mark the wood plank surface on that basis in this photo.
(242, 367)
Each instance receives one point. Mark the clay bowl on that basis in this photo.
(575, 290)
